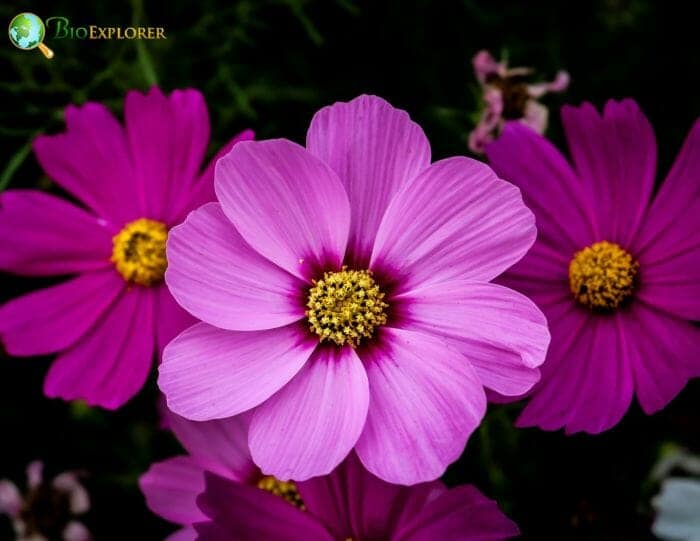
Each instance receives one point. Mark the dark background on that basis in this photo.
(270, 65)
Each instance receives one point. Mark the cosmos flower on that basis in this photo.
(47, 511)
(135, 183)
(616, 267)
(345, 295)
(508, 96)
(241, 503)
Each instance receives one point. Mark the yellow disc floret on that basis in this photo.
(346, 306)
(283, 489)
(139, 251)
(602, 276)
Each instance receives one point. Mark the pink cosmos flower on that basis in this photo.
(135, 182)
(243, 504)
(47, 511)
(507, 96)
(616, 268)
(345, 298)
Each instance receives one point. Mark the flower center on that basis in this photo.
(139, 251)
(283, 489)
(45, 512)
(602, 276)
(345, 306)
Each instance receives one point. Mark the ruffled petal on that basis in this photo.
(354, 504)
(501, 332)
(550, 188)
(167, 138)
(110, 364)
(308, 427)
(55, 318)
(44, 235)
(220, 445)
(587, 383)
(664, 355)
(203, 190)
(171, 488)
(459, 514)
(375, 149)
(615, 157)
(171, 319)
(215, 275)
(425, 401)
(209, 373)
(183, 534)
(286, 203)
(247, 513)
(455, 220)
(91, 160)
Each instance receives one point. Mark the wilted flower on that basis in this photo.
(345, 298)
(135, 182)
(241, 503)
(47, 510)
(508, 96)
(616, 267)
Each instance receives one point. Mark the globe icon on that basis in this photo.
(27, 32)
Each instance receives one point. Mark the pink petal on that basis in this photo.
(668, 255)
(535, 116)
(91, 160)
(246, 513)
(78, 497)
(501, 332)
(375, 149)
(550, 188)
(203, 190)
(459, 514)
(110, 364)
(10, 499)
(171, 488)
(455, 220)
(52, 319)
(309, 426)
(587, 382)
(615, 157)
(183, 534)
(171, 318)
(220, 445)
(215, 275)
(354, 504)
(167, 137)
(76, 531)
(425, 399)
(664, 355)
(485, 65)
(35, 473)
(209, 373)
(44, 235)
(286, 203)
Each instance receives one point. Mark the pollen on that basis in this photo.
(345, 306)
(138, 251)
(602, 276)
(283, 489)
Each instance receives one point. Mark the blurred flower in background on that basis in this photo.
(239, 502)
(135, 183)
(47, 510)
(678, 504)
(507, 95)
(616, 265)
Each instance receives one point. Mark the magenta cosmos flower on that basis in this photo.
(345, 297)
(243, 504)
(615, 268)
(135, 182)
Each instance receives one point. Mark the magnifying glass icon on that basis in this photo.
(27, 32)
